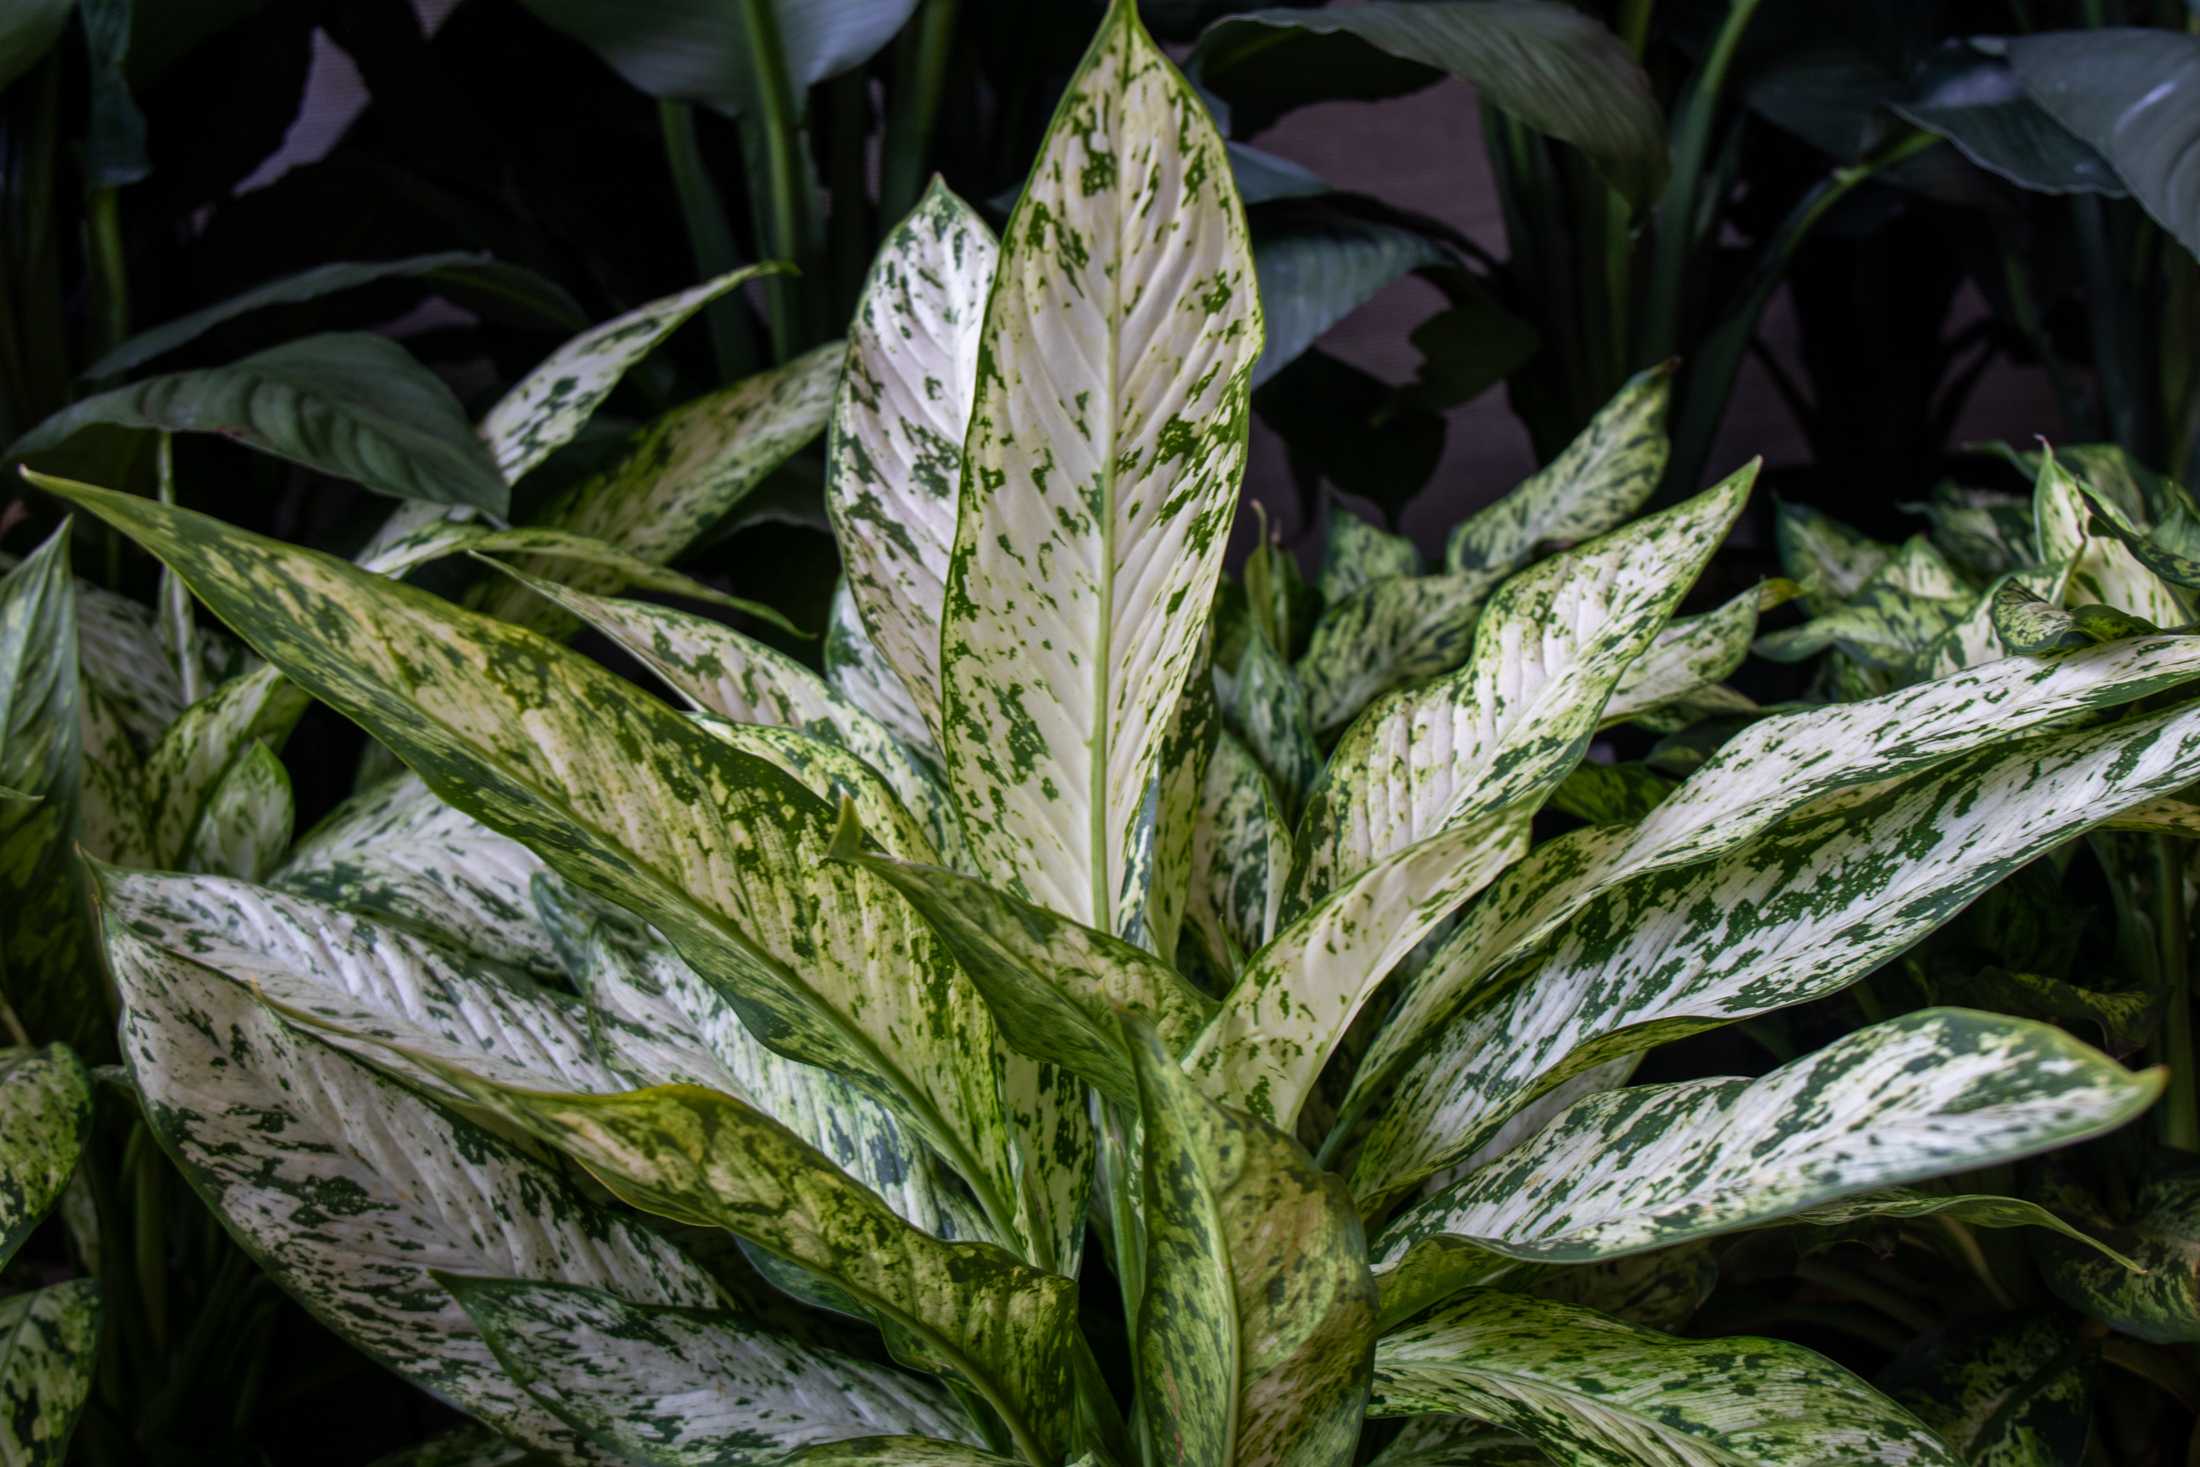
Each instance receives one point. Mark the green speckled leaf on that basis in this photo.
(681, 474)
(50, 975)
(1691, 656)
(1552, 643)
(1596, 484)
(45, 1116)
(347, 404)
(1830, 561)
(545, 408)
(1611, 794)
(1913, 598)
(350, 1189)
(1266, 707)
(687, 1387)
(467, 1446)
(1456, 1441)
(711, 1159)
(399, 854)
(2103, 570)
(1105, 447)
(1254, 1333)
(1356, 554)
(192, 757)
(1387, 634)
(895, 451)
(113, 821)
(2160, 1231)
(49, 1340)
(245, 827)
(1241, 857)
(1594, 1392)
(1055, 986)
(1768, 770)
(1797, 913)
(721, 852)
(1925, 1095)
(855, 670)
(906, 1451)
(2004, 1391)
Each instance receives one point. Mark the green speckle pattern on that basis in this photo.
(45, 1116)
(48, 1347)
(246, 825)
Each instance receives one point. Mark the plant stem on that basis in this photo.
(920, 80)
(110, 278)
(175, 598)
(1634, 25)
(775, 128)
(709, 236)
(2179, 1116)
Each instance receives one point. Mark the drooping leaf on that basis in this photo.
(1550, 647)
(49, 1342)
(2127, 94)
(1318, 261)
(1975, 101)
(720, 851)
(1797, 913)
(1105, 447)
(660, 1385)
(545, 408)
(682, 473)
(1594, 1391)
(1548, 65)
(50, 975)
(353, 406)
(2003, 1391)
(895, 450)
(2162, 1303)
(45, 1117)
(1924, 1095)
(463, 275)
(1258, 1319)
(348, 1189)
(245, 827)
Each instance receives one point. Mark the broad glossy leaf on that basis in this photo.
(545, 408)
(1986, 532)
(1162, 858)
(2011, 1390)
(682, 473)
(1593, 1391)
(459, 274)
(1357, 554)
(1548, 65)
(1105, 447)
(2128, 94)
(45, 1118)
(1258, 1319)
(1319, 261)
(1974, 639)
(1055, 986)
(1773, 767)
(1611, 794)
(50, 974)
(112, 819)
(49, 1341)
(245, 827)
(1596, 484)
(720, 851)
(399, 854)
(1551, 645)
(658, 1385)
(1924, 1095)
(1975, 101)
(711, 1159)
(353, 406)
(349, 1189)
(189, 763)
(1795, 914)
(895, 450)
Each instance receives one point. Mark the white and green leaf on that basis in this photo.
(245, 827)
(45, 1119)
(49, 1350)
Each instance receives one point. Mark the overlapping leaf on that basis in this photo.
(45, 1116)
(48, 1350)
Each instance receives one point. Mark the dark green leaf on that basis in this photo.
(2134, 95)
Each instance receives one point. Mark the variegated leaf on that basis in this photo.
(1598, 1393)
(906, 1451)
(1930, 1093)
(837, 777)
(1105, 446)
(1291, 1007)
(1975, 638)
(192, 757)
(245, 827)
(399, 854)
(1456, 1441)
(1385, 635)
(49, 1341)
(670, 1025)
(349, 1189)
(1170, 831)
(1358, 554)
(718, 670)
(2159, 1302)
(113, 821)
(681, 474)
(2012, 1390)
(50, 976)
(545, 408)
(680, 1151)
(1830, 561)
(1596, 484)
(1241, 857)
(684, 1386)
(1611, 794)
(1771, 768)
(1256, 1326)
(1692, 655)
(467, 1446)
(1800, 912)
(1265, 706)
(1552, 643)
(2030, 624)
(895, 450)
(1055, 986)
(1986, 532)
(45, 1117)
(2103, 571)
(855, 670)
(721, 852)
(1911, 599)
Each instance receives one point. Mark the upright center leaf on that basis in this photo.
(1102, 463)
